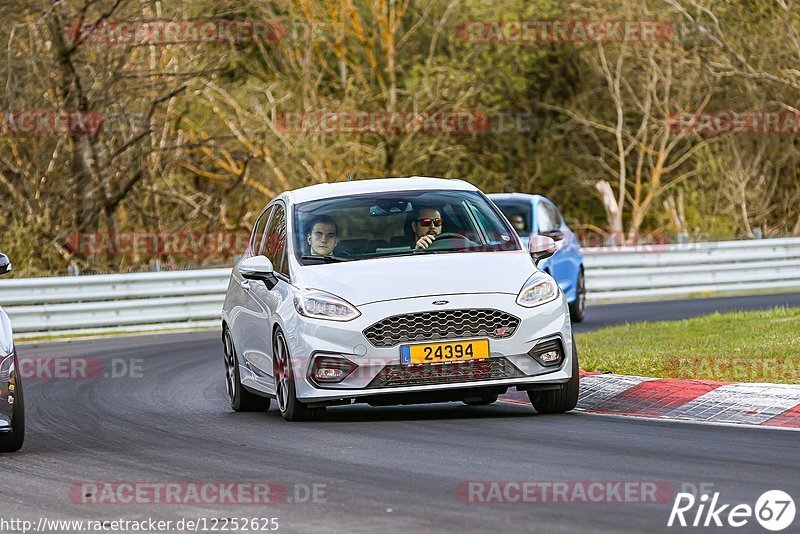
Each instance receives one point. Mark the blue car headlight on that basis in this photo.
(538, 289)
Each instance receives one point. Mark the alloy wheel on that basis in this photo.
(282, 373)
(230, 369)
(582, 292)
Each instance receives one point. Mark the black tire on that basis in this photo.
(240, 398)
(286, 397)
(577, 309)
(12, 441)
(483, 401)
(559, 400)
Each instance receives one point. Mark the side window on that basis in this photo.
(544, 218)
(519, 215)
(275, 240)
(555, 215)
(257, 238)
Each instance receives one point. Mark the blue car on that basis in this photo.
(534, 214)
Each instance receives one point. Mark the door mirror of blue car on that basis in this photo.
(258, 268)
(555, 235)
(5, 264)
(541, 247)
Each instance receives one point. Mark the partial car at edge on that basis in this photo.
(386, 292)
(12, 412)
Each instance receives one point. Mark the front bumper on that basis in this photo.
(308, 338)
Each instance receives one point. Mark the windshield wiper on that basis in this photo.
(412, 252)
(327, 258)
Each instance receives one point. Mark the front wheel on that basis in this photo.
(577, 309)
(559, 400)
(241, 400)
(285, 392)
(12, 441)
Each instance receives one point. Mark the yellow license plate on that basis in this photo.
(451, 351)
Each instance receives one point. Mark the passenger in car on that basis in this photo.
(517, 221)
(427, 225)
(323, 235)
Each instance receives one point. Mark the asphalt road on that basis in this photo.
(393, 469)
(598, 316)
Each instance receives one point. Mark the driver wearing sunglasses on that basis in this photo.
(427, 225)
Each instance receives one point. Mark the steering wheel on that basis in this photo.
(447, 240)
(341, 253)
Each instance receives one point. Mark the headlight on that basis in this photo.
(539, 289)
(321, 305)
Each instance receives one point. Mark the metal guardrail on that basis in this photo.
(181, 299)
(69, 304)
(638, 273)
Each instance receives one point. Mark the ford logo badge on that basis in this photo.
(440, 302)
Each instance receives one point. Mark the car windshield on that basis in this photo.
(378, 225)
(518, 214)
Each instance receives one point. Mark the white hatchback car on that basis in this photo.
(393, 291)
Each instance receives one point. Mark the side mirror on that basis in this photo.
(5, 264)
(259, 268)
(541, 247)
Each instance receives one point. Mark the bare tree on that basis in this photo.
(631, 139)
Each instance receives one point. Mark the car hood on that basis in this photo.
(367, 281)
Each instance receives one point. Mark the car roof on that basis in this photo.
(519, 197)
(375, 185)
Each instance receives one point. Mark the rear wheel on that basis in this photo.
(577, 309)
(241, 400)
(291, 409)
(482, 401)
(559, 400)
(12, 441)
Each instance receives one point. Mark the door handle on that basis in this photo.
(245, 284)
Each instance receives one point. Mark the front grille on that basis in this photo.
(393, 376)
(444, 324)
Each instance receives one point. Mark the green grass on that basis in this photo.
(761, 346)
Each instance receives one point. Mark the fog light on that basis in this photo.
(329, 374)
(331, 369)
(550, 356)
(548, 353)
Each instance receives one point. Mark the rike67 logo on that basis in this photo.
(774, 510)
